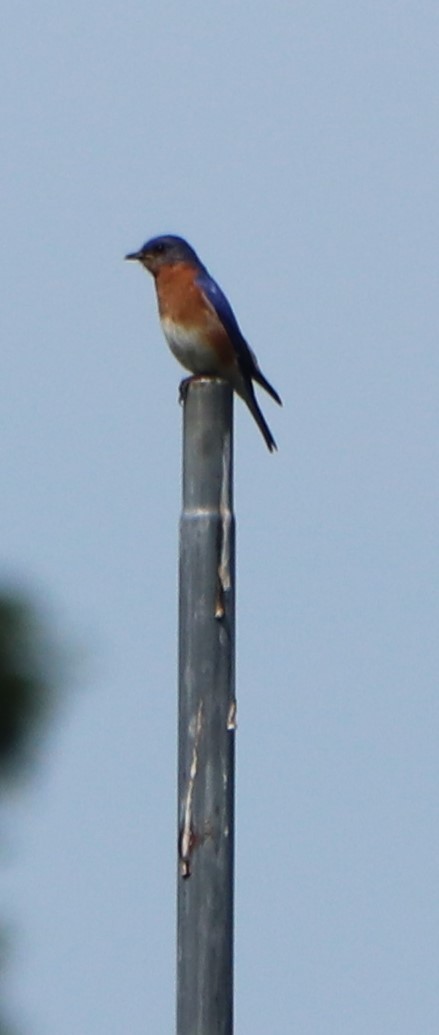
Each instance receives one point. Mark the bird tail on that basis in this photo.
(258, 376)
(247, 393)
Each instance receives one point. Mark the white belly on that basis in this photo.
(189, 348)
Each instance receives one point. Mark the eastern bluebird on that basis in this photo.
(199, 324)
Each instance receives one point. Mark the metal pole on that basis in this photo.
(206, 715)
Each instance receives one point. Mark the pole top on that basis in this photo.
(207, 443)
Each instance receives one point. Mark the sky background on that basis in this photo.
(295, 144)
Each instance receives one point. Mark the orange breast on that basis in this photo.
(182, 302)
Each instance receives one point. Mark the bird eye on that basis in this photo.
(159, 247)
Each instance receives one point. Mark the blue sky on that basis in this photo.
(295, 146)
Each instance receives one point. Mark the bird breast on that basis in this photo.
(189, 348)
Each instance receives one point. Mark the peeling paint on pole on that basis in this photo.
(206, 715)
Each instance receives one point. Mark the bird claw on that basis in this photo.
(183, 389)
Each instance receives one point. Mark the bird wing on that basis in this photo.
(216, 297)
(245, 356)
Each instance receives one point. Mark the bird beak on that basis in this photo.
(134, 255)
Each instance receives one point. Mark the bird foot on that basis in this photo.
(184, 386)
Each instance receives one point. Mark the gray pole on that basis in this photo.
(206, 715)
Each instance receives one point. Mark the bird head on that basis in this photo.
(163, 251)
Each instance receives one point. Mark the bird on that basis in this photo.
(199, 324)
